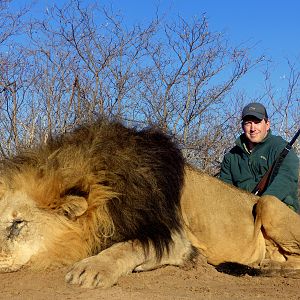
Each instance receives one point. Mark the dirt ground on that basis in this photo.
(200, 282)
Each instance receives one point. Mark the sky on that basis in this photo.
(272, 25)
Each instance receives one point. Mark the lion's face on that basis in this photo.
(39, 238)
(22, 235)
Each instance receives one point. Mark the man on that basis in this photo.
(255, 151)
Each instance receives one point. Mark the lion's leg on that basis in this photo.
(180, 253)
(103, 270)
(281, 228)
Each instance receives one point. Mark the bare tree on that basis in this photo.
(185, 89)
(284, 102)
(11, 71)
(81, 61)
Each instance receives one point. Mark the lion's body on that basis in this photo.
(225, 230)
(109, 200)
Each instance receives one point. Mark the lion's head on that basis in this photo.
(86, 190)
(41, 237)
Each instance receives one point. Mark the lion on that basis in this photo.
(107, 200)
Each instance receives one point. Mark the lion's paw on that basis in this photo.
(93, 272)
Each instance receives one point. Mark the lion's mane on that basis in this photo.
(131, 180)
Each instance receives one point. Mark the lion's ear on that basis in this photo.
(73, 207)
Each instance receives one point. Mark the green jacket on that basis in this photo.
(244, 169)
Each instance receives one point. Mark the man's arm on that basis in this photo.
(285, 184)
(225, 173)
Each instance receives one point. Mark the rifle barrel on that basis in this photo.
(293, 140)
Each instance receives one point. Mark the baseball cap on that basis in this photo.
(255, 109)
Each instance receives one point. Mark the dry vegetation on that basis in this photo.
(76, 62)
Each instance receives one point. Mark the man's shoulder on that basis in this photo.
(277, 144)
(276, 141)
(235, 150)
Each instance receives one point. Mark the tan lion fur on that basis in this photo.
(231, 225)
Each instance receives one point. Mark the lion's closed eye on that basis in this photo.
(15, 228)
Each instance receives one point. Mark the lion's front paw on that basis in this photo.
(93, 272)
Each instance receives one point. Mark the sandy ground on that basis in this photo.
(200, 282)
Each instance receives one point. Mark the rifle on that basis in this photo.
(273, 170)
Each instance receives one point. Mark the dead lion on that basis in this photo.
(105, 199)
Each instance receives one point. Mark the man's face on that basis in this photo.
(255, 130)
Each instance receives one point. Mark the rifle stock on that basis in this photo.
(273, 170)
(263, 183)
